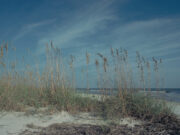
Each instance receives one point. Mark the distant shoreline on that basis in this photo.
(168, 94)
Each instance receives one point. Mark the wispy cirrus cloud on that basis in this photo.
(28, 28)
(82, 24)
(151, 37)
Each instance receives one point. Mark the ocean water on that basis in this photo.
(169, 94)
(168, 90)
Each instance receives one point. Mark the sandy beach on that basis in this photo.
(15, 123)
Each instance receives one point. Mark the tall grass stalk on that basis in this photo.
(87, 64)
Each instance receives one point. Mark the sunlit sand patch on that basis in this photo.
(175, 107)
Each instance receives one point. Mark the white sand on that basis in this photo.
(175, 107)
(15, 122)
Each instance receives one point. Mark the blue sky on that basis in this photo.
(151, 27)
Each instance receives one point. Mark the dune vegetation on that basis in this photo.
(51, 86)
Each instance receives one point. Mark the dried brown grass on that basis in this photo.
(50, 85)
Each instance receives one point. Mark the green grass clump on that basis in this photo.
(134, 105)
(20, 98)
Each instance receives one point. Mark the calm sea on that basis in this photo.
(169, 94)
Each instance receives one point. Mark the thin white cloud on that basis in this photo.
(151, 37)
(88, 20)
(30, 27)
